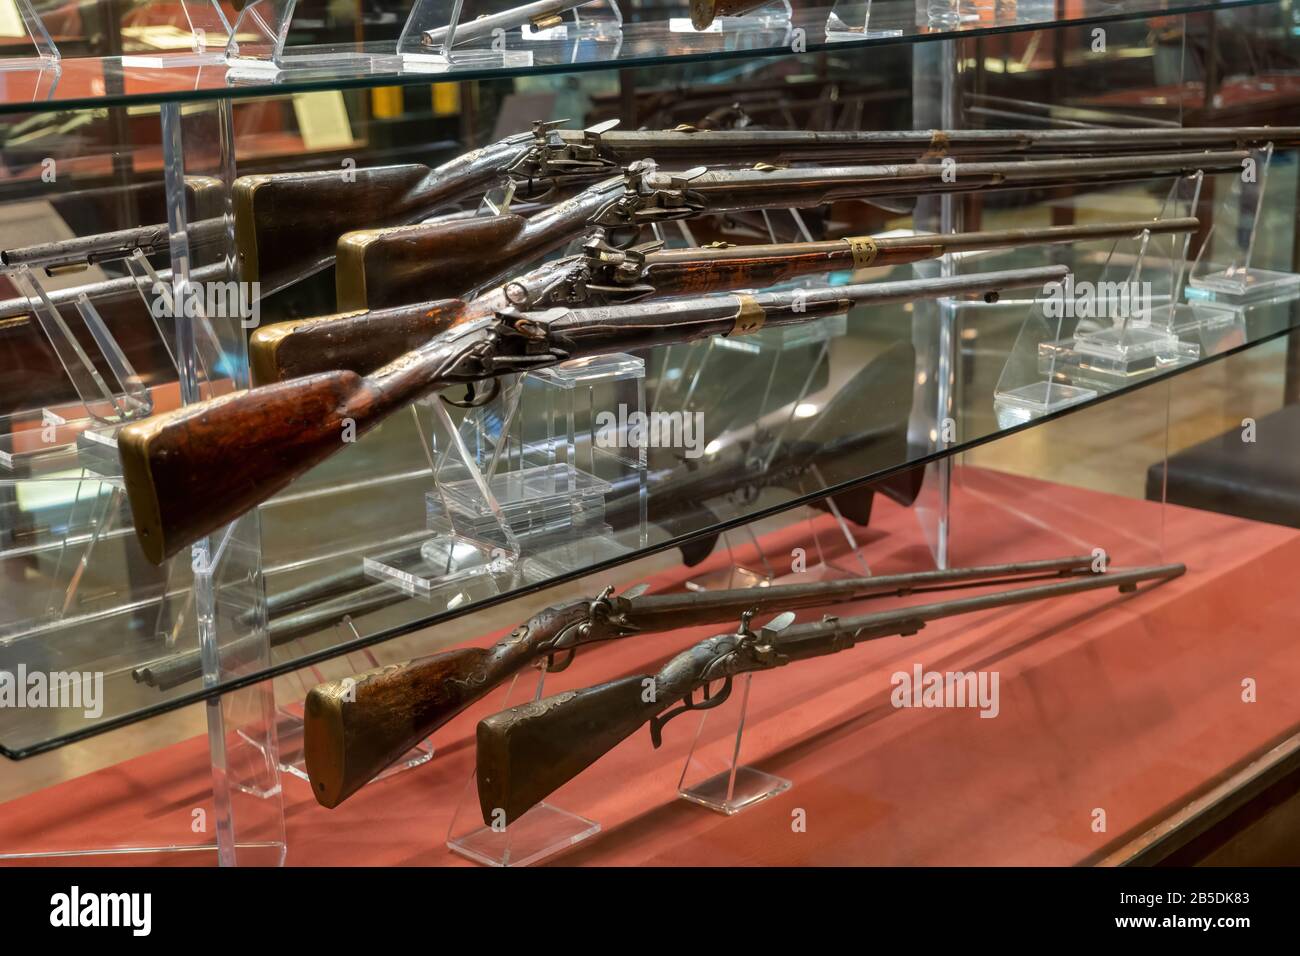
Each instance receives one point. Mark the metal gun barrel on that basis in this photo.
(515, 16)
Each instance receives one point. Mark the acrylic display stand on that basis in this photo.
(1227, 269)
(1131, 323)
(209, 33)
(438, 33)
(211, 596)
(44, 55)
(712, 775)
(258, 46)
(851, 20)
(525, 485)
(542, 831)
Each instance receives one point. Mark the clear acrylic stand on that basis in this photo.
(542, 831)
(1088, 338)
(524, 484)
(212, 596)
(44, 55)
(438, 33)
(228, 591)
(1227, 268)
(108, 403)
(737, 572)
(713, 776)
(209, 35)
(851, 20)
(258, 47)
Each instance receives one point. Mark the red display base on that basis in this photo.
(1113, 712)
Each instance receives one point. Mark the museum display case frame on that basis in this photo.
(217, 602)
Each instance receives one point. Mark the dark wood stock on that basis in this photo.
(349, 742)
(354, 729)
(528, 752)
(286, 224)
(704, 12)
(191, 471)
(378, 268)
(356, 341)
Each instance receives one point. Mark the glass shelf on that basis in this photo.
(976, 424)
(370, 505)
(100, 82)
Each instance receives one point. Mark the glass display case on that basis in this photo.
(340, 336)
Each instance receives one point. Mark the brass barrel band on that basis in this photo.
(864, 250)
(749, 317)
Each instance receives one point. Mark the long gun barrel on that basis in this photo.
(527, 752)
(287, 224)
(365, 339)
(538, 13)
(377, 268)
(193, 470)
(83, 251)
(356, 727)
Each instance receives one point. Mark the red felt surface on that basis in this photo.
(1131, 705)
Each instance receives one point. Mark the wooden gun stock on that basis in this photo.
(359, 341)
(190, 471)
(386, 267)
(526, 753)
(354, 728)
(193, 470)
(287, 224)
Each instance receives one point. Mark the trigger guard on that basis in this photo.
(555, 664)
(478, 401)
(706, 703)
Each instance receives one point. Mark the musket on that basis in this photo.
(356, 727)
(203, 194)
(527, 752)
(540, 14)
(191, 471)
(83, 251)
(381, 267)
(181, 667)
(287, 224)
(365, 339)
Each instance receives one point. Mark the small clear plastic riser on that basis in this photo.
(438, 33)
(523, 486)
(43, 55)
(209, 34)
(713, 776)
(1231, 269)
(544, 830)
(258, 47)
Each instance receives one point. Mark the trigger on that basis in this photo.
(555, 663)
